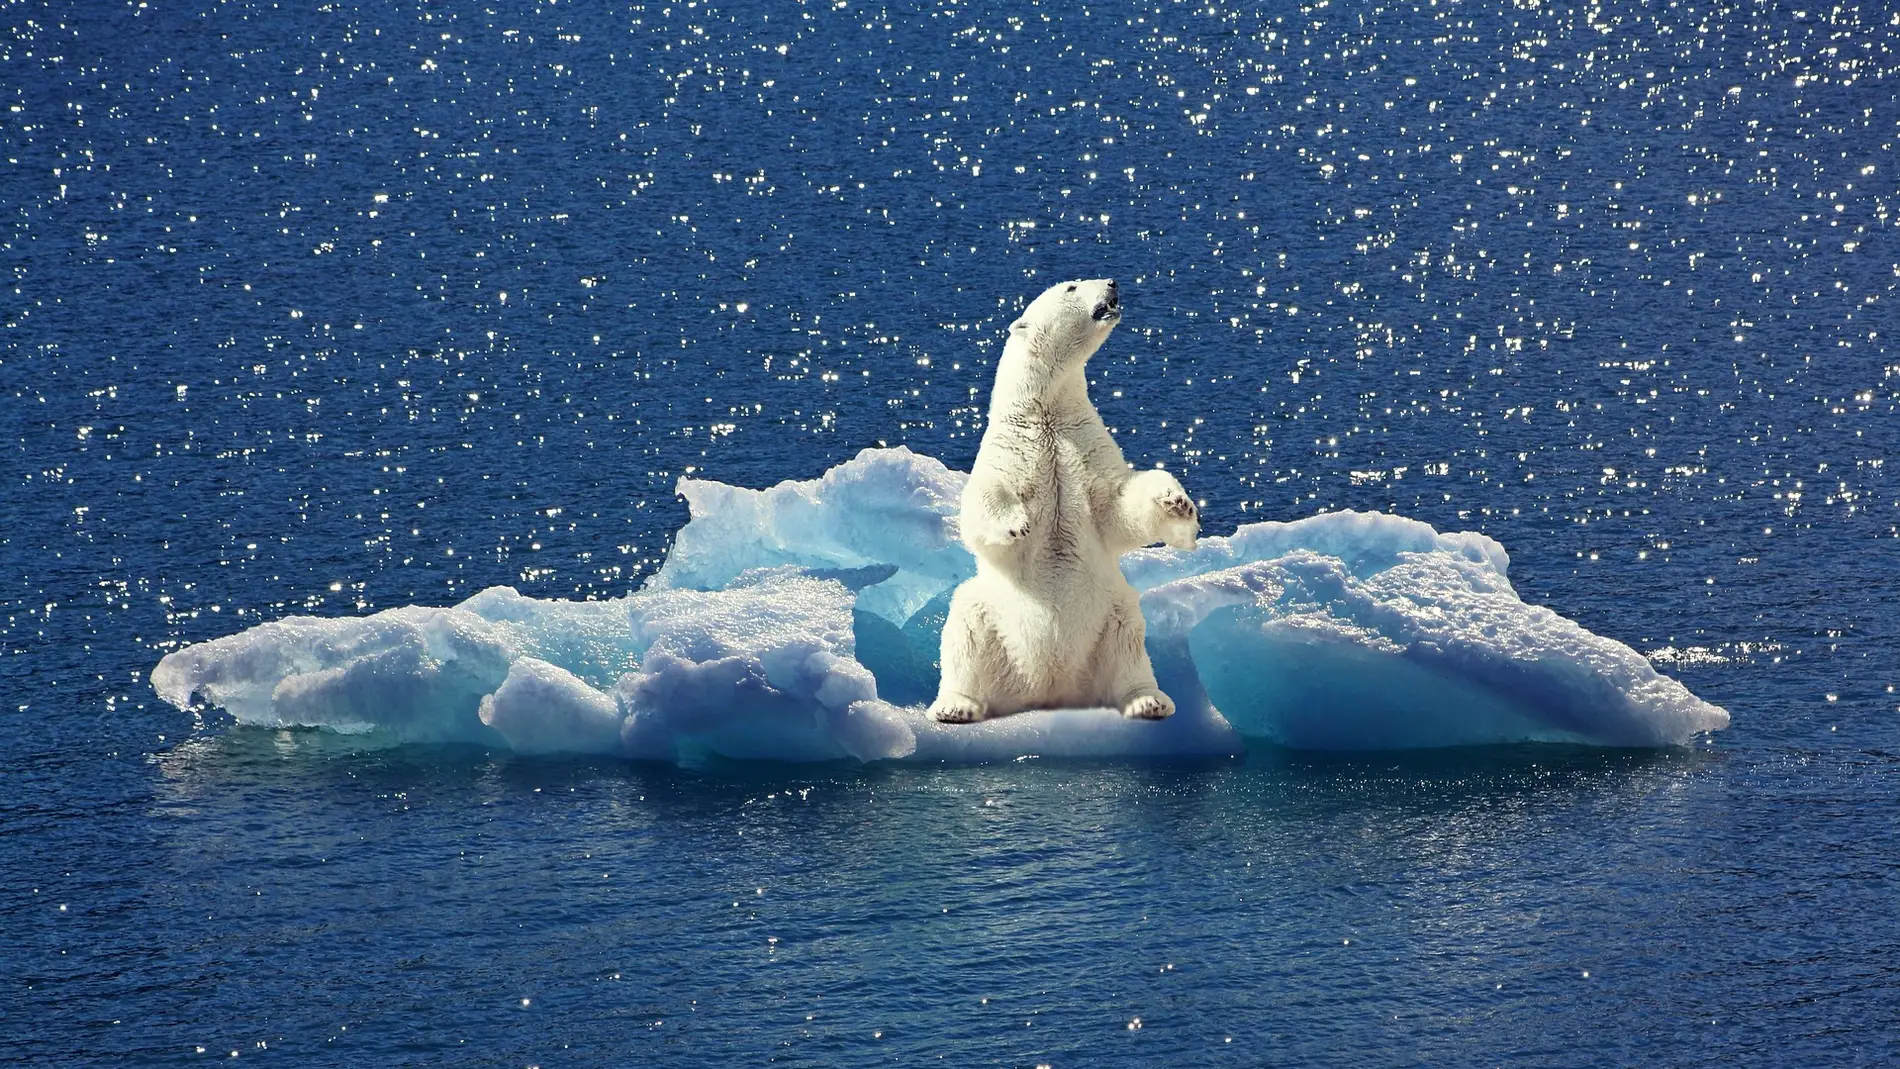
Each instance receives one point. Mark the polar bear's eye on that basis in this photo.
(1071, 289)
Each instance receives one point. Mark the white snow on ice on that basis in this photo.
(801, 623)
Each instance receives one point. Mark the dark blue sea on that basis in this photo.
(331, 307)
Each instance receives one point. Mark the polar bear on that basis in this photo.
(1048, 621)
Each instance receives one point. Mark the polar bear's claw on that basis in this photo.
(1149, 707)
(956, 710)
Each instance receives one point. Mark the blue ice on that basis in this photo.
(801, 623)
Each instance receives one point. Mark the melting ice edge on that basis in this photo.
(801, 623)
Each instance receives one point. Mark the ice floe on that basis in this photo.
(800, 623)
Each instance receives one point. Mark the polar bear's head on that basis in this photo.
(1063, 327)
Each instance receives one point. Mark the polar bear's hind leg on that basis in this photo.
(1126, 676)
(972, 663)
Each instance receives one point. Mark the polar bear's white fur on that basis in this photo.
(1048, 620)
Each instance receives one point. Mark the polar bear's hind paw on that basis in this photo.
(955, 709)
(1155, 706)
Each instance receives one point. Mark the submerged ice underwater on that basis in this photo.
(802, 622)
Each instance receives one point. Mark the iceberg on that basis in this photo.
(801, 623)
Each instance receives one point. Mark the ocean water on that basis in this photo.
(323, 308)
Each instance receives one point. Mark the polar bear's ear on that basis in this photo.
(1020, 325)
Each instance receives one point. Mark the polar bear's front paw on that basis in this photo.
(1007, 529)
(1176, 505)
(1014, 524)
(1180, 520)
(956, 709)
(1152, 706)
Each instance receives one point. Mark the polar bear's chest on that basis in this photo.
(1070, 474)
(1053, 478)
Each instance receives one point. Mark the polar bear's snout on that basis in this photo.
(1110, 306)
